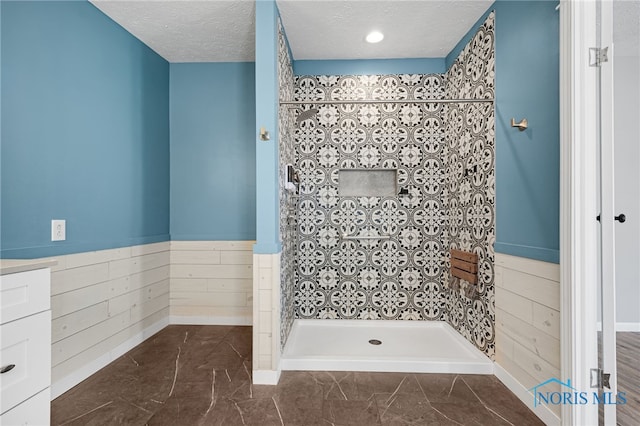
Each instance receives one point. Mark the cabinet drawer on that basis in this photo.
(24, 293)
(35, 411)
(26, 343)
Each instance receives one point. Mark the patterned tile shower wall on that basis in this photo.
(407, 275)
(288, 234)
(470, 165)
(396, 278)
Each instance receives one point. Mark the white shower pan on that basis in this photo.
(406, 346)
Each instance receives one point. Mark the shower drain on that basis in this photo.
(375, 342)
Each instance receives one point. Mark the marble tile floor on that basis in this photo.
(201, 375)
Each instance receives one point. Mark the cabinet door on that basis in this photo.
(36, 411)
(25, 343)
(24, 294)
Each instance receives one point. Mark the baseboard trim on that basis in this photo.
(628, 326)
(266, 377)
(202, 320)
(623, 326)
(69, 381)
(541, 411)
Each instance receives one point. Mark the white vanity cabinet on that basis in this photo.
(25, 343)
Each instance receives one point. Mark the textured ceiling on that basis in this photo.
(189, 30)
(412, 29)
(224, 30)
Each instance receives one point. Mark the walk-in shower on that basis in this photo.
(370, 287)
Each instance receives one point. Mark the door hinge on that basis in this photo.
(598, 56)
(600, 379)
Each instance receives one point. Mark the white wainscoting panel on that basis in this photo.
(528, 327)
(266, 319)
(211, 282)
(103, 303)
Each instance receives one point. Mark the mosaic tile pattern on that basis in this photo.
(391, 278)
(288, 233)
(470, 165)
(431, 146)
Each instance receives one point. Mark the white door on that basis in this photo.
(626, 162)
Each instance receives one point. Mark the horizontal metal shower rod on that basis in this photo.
(381, 101)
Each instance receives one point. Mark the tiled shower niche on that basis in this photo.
(367, 182)
(443, 154)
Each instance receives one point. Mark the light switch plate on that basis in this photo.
(58, 230)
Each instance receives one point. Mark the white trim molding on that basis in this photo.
(623, 327)
(205, 320)
(628, 326)
(266, 318)
(578, 207)
(542, 411)
(266, 377)
(71, 380)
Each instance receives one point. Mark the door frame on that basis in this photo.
(607, 207)
(578, 203)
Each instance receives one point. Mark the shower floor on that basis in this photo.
(407, 346)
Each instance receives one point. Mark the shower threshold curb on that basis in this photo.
(343, 345)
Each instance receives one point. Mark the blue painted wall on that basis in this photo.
(267, 103)
(370, 66)
(213, 179)
(85, 132)
(528, 163)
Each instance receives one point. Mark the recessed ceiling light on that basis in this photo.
(374, 37)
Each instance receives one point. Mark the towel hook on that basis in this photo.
(522, 125)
